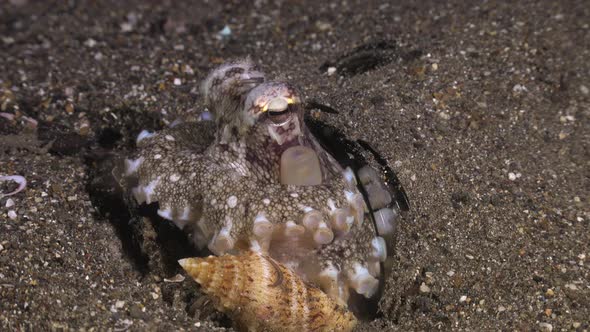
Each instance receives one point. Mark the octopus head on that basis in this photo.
(225, 87)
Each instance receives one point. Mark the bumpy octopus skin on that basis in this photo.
(264, 184)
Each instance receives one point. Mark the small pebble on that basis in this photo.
(424, 288)
(545, 327)
(434, 66)
(177, 81)
(12, 214)
(225, 32)
(584, 89)
(575, 325)
(549, 293)
(451, 273)
(463, 298)
(331, 71)
(90, 42)
(501, 308)
(1, 247)
(9, 202)
(119, 304)
(469, 257)
(519, 88)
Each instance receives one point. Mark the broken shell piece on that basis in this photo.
(362, 281)
(260, 294)
(385, 220)
(300, 166)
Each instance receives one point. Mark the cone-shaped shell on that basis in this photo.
(260, 294)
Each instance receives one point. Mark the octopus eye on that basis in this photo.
(278, 110)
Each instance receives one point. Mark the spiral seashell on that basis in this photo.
(260, 294)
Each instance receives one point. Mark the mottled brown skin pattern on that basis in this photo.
(234, 180)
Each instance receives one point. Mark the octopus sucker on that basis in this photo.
(385, 220)
(131, 165)
(362, 281)
(143, 135)
(260, 294)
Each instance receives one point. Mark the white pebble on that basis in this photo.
(424, 288)
(519, 88)
(331, 71)
(177, 81)
(225, 32)
(9, 202)
(584, 89)
(545, 327)
(90, 42)
(511, 176)
(12, 214)
(119, 304)
(463, 298)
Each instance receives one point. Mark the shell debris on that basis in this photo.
(260, 294)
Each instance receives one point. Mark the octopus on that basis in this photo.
(266, 185)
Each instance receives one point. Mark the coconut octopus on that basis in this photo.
(265, 184)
